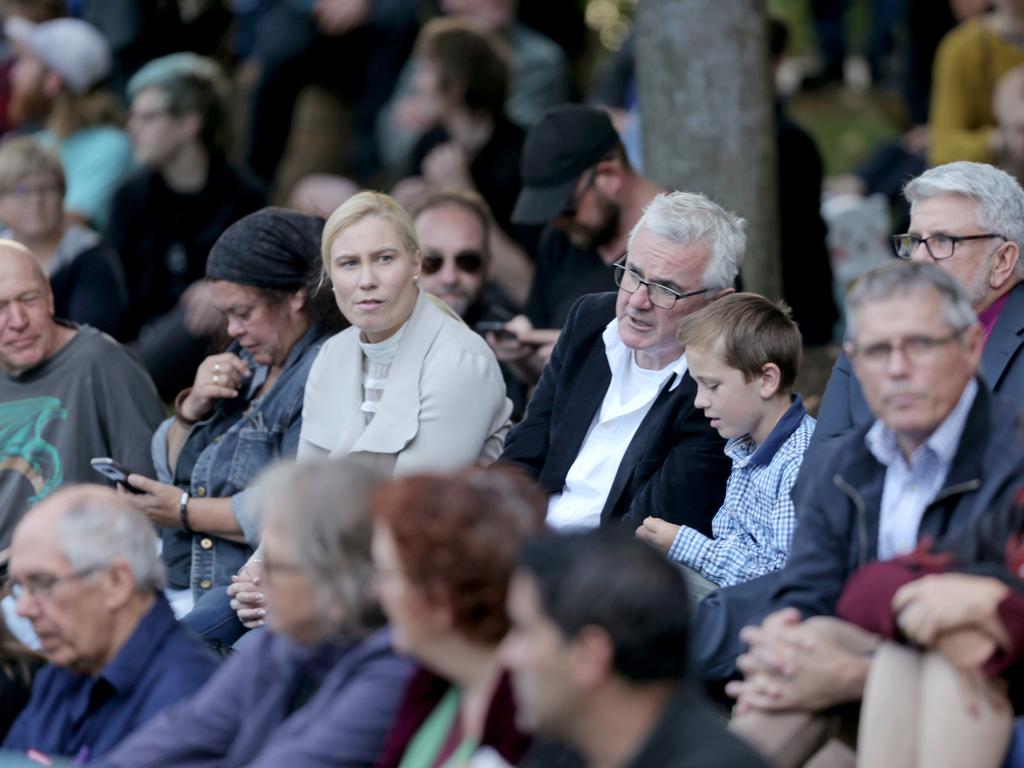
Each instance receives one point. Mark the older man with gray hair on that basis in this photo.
(939, 453)
(611, 431)
(85, 571)
(967, 219)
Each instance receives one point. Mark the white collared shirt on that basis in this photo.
(911, 486)
(630, 395)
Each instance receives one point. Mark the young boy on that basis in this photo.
(744, 352)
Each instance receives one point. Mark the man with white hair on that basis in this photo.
(968, 219)
(85, 571)
(611, 431)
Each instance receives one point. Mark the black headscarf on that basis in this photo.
(271, 248)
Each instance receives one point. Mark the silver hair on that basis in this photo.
(92, 534)
(324, 507)
(903, 279)
(999, 196)
(688, 217)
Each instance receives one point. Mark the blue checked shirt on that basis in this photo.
(753, 528)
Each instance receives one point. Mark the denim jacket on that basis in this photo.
(223, 454)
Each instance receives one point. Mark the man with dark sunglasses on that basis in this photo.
(968, 219)
(453, 227)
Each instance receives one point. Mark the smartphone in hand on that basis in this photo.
(112, 470)
(495, 327)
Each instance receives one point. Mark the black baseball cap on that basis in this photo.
(568, 140)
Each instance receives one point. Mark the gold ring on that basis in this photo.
(216, 379)
(216, 367)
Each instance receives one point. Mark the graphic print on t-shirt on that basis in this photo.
(22, 447)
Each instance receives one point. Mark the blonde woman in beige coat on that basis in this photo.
(409, 385)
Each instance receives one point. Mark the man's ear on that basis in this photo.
(974, 343)
(1004, 266)
(722, 292)
(591, 657)
(770, 379)
(118, 584)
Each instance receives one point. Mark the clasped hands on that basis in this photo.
(797, 665)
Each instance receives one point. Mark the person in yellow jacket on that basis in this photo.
(969, 62)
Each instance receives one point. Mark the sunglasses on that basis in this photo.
(470, 262)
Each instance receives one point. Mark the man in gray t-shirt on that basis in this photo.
(67, 394)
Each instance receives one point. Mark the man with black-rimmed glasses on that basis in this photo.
(611, 431)
(968, 219)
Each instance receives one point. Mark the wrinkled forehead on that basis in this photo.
(658, 258)
(18, 267)
(912, 312)
(35, 547)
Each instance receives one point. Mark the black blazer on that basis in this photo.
(674, 468)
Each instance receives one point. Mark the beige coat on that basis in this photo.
(443, 405)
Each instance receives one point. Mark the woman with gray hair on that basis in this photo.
(322, 687)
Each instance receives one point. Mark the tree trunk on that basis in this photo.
(706, 94)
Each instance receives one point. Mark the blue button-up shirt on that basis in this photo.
(753, 529)
(86, 715)
(910, 486)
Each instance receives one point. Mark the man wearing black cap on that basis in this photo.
(577, 180)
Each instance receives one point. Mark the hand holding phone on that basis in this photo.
(497, 328)
(112, 470)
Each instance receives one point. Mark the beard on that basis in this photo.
(590, 238)
(28, 108)
(979, 286)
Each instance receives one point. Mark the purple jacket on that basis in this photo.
(247, 714)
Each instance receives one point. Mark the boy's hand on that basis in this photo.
(658, 532)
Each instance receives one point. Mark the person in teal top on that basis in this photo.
(57, 84)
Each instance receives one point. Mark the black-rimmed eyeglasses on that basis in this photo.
(939, 246)
(659, 295)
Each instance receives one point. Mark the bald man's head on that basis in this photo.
(47, 514)
(28, 333)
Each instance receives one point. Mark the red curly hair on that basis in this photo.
(458, 537)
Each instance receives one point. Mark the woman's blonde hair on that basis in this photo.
(359, 207)
(24, 156)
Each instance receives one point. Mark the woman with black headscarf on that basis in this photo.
(244, 408)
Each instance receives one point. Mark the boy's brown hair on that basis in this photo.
(753, 331)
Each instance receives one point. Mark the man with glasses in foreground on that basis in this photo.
(939, 453)
(85, 571)
(967, 219)
(611, 431)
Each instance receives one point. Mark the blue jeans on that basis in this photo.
(213, 620)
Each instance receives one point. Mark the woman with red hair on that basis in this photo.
(444, 548)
